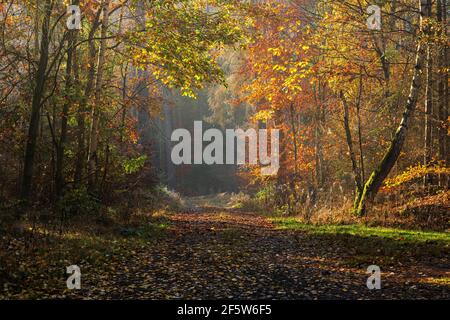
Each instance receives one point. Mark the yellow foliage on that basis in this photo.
(263, 115)
(414, 172)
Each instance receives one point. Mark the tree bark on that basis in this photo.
(81, 127)
(319, 98)
(348, 136)
(93, 144)
(442, 93)
(377, 177)
(358, 117)
(294, 137)
(428, 136)
(59, 177)
(36, 104)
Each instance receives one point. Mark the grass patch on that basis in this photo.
(411, 236)
(361, 245)
(153, 231)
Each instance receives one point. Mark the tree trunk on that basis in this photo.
(442, 92)
(428, 134)
(348, 136)
(294, 137)
(358, 117)
(167, 129)
(124, 102)
(81, 128)
(36, 103)
(59, 177)
(377, 177)
(93, 144)
(319, 121)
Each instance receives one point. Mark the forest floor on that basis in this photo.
(211, 253)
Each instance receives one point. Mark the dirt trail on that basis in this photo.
(213, 253)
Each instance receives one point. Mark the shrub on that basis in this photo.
(78, 202)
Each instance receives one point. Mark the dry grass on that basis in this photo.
(427, 213)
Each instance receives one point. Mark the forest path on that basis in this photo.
(212, 253)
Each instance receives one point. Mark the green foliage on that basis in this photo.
(265, 200)
(134, 164)
(245, 202)
(266, 195)
(160, 197)
(179, 41)
(78, 201)
(154, 230)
